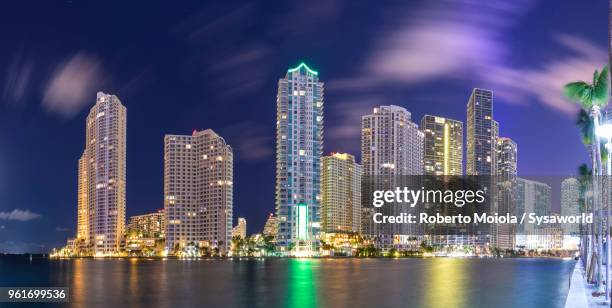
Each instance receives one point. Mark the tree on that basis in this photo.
(592, 97)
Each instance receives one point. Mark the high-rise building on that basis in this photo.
(340, 194)
(506, 159)
(482, 131)
(198, 190)
(101, 210)
(391, 144)
(391, 150)
(570, 206)
(532, 197)
(443, 150)
(299, 147)
(271, 226)
(241, 228)
(83, 206)
(507, 153)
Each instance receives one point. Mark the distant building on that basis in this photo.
(198, 190)
(340, 194)
(299, 146)
(570, 196)
(101, 178)
(145, 234)
(507, 161)
(532, 197)
(443, 146)
(547, 238)
(151, 225)
(271, 226)
(241, 228)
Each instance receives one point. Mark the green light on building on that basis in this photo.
(302, 221)
(291, 70)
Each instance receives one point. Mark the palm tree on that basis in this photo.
(592, 98)
(586, 247)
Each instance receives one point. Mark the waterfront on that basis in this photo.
(351, 282)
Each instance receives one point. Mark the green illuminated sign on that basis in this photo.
(302, 221)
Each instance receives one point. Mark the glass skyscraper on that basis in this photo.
(299, 147)
(443, 150)
(481, 133)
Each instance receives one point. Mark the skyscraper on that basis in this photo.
(570, 195)
(198, 190)
(101, 217)
(340, 194)
(506, 159)
(299, 147)
(82, 237)
(533, 197)
(481, 133)
(443, 150)
(391, 146)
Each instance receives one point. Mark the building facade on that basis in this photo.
(443, 146)
(391, 151)
(532, 197)
(151, 225)
(505, 179)
(482, 131)
(340, 194)
(198, 190)
(570, 206)
(299, 147)
(271, 226)
(102, 178)
(241, 228)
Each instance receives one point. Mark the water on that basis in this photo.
(440, 282)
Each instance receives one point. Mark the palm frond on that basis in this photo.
(580, 92)
(601, 88)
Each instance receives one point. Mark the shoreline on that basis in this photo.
(245, 258)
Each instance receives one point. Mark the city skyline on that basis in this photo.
(140, 74)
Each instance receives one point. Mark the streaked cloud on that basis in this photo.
(73, 85)
(347, 114)
(19, 215)
(464, 40)
(17, 79)
(545, 82)
(250, 141)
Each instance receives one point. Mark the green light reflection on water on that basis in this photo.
(301, 291)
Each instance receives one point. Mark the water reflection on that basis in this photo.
(301, 289)
(307, 283)
(446, 282)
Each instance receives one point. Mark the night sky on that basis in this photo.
(197, 65)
